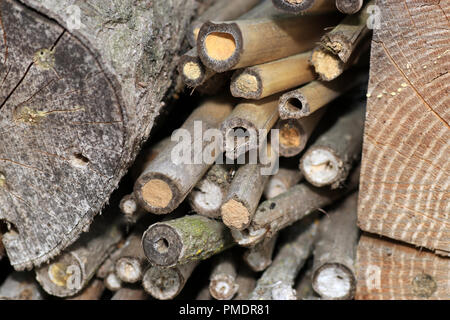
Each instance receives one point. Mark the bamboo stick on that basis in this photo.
(308, 99)
(208, 194)
(255, 119)
(165, 183)
(245, 191)
(185, 239)
(349, 6)
(236, 44)
(222, 285)
(278, 280)
(335, 252)
(294, 133)
(263, 80)
(20, 286)
(281, 182)
(167, 283)
(346, 36)
(259, 257)
(298, 202)
(305, 6)
(130, 293)
(220, 10)
(328, 161)
(70, 272)
(131, 263)
(93, 291)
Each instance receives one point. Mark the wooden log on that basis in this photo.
(167, 283)
(131, 262)
(185, 239)
(209, 193)
(349, 6)
(405, 188)
(220, 10)
(259, 257)
(390, 270)
(328, 161)
(305, 6)
(335, 252)
(246, 282)
(245, 191)
(281, 182)
(298, 202)
(263, 80)
(165, 183)
(70, 272)
(77, 102)
(278, 280)
(236, 44)
(112, 282)
(108, 265)
(21, 286)
(294, 133)
(130, 293)
(130, 208)
(304, 101)
(222, 281)
(254, 119)
(93, 291)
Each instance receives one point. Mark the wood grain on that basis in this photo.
(405, 185)
(391, 270)
(75, 107)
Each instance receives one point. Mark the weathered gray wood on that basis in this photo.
(222, 285)
(92, 292)
(130, 293)
(75, 107)
(71, 271)
(259, 257)
(21, 286)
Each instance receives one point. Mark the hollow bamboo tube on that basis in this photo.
(294, 133)
(220, 10)
(259, 257)
(245, 191)
(304, 101)
(70, 272)
(209, 193)
(255, 118)
(349, 6)
(263, 80)
(167, 283)
(131, 263)
(192, 70)
(130, 293)
(278, 280)
(298, 202)
(237, 44)
(305, 6)
(222, 284)
(346, 36)
(21, 286)
(281, 182)
(93, 291)
(335, 252)
(185, 239)
(328, 161)
(165, 183)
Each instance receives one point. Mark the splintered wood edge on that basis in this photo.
(246, 84)
(162, 283)
(219, 45)
(326, 64)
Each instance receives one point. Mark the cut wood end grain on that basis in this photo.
(320, 166)
(245, 84)
(192, 71)
(326, 64)
(223, 287)
(157, 193)
(235, 214)
(220, 45)
(290, 136)
(129, 270)
(162, 283)
(334, 281)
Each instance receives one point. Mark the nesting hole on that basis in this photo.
(162, 246)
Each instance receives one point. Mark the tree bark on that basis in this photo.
(76, 105)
